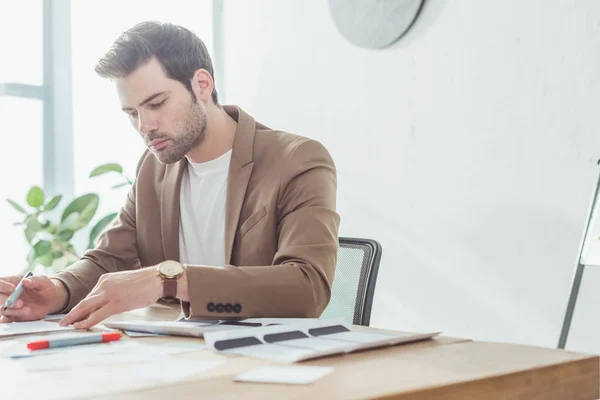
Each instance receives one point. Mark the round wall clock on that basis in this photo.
(374, 23)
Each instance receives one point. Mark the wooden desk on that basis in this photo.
(447, 368)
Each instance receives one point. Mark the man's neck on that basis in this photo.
(219, 136)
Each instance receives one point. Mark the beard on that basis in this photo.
(190, 132)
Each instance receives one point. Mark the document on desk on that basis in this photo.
(14, 329)
(197, 328)
(303, 341)
(17, 349)
(84, 382)
(292, 375)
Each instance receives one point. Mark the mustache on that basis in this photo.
(155, 136)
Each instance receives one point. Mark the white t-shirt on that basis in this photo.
(202, 212)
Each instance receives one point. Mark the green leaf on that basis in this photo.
(42, 251)
(32, 228)
(30, 235)
(16, 206)
(45, 260)
(51, 205)
(66, 235)
(103, 169)
(80, 212)
(99, 228)
(120, 185)
(41, 248)
(35, 197)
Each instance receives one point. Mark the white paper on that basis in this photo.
(360, 337)
(31, 327)
(275, 342)
(272, 352)
(316, 344)
(18, 349)
(115, 379)
(296, 375)
(175, 347)
(173, 369)
(259, 333)
(69, 361)
(53, 317)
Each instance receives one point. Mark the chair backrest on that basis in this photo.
(354, 283)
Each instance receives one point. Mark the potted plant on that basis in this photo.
(50, 234)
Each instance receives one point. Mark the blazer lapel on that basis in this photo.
(169, 207)
(240, 170)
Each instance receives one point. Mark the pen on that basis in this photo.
(73, 341)
(15, 295)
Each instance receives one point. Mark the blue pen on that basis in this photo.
(15, 295)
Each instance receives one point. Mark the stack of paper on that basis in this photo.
(303, 341)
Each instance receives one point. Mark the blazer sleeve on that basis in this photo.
(298, 283)
(116, 251)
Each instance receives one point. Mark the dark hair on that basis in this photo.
(179, 51)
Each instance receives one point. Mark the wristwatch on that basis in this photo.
(170, 271)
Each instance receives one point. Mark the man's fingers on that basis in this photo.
(35, 282)
(19, 313)
(4, 319)
(6, 287)
(18, 304)
(84, 308)
(96, 317)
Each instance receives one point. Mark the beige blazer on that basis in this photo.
(281, 229)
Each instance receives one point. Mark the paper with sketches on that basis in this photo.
(303, 341)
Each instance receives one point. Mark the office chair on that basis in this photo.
(354, 282)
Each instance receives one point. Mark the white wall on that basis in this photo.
(467, 149)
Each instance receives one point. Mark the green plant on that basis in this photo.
(51, 238)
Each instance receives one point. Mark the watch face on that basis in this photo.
(170, 268)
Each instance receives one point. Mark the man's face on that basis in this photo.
(163, 112)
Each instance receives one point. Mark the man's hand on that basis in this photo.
(37, 299)
(115, 293)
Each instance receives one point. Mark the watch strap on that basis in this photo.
(170, 287)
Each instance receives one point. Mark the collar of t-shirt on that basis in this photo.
(219, 164)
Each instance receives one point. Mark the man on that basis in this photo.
(229, 217)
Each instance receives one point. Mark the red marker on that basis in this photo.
(74, 340)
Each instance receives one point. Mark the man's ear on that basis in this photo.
(202, 84)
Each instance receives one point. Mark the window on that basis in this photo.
(21, 120)
(21, 30)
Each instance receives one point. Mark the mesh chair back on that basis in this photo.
(354, 283)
